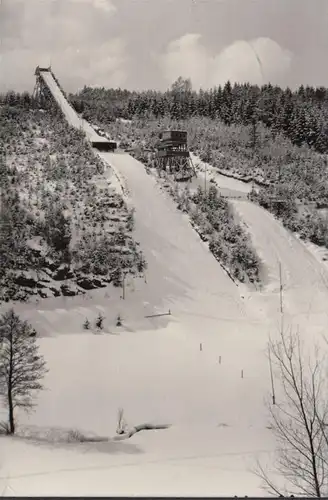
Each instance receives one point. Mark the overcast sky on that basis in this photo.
(140, 44)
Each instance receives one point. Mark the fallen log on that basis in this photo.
(142, 427)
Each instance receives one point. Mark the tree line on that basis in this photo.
(301, 115)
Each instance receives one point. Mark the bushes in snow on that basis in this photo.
(213, 218)
(227, 240)
(53, 194)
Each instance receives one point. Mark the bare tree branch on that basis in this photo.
(298, 421)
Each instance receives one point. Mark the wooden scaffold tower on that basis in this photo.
(173, 155)
(41, 92)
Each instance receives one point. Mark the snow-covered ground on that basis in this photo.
(217, 417)
(154, 369)
(202, 369)
(177, 463)
(304, 278)
(226, 185)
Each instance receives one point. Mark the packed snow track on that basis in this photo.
(288, 262)
(180, 266)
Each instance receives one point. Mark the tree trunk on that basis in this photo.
(10, 389)
(11, 413)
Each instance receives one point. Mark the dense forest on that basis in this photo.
(301, 116)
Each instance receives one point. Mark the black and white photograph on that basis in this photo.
(164, 248)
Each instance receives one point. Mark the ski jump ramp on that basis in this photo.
(48, 79)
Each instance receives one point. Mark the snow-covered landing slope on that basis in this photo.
(181, 268)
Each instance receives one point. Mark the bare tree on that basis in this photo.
(22, 368)
(298, 421)
(182, 85)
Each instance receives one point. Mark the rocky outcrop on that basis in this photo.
(44, 294)
(63, 272)
(25, 279)
(54, 279)
(90, 282)
(49, 265)
(69, 290)
(55, 291)
(62, 281)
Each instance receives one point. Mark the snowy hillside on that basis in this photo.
(190, 355)
(201, 369)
